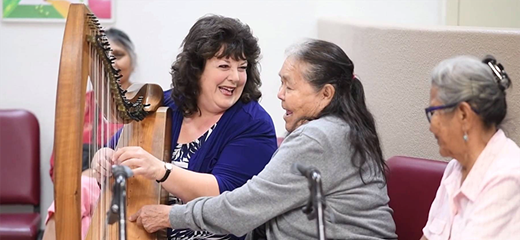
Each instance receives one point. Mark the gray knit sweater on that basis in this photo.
(355, 210)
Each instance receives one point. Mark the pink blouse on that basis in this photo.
(487, 204)
(89, 197)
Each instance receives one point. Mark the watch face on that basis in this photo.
(168, 166)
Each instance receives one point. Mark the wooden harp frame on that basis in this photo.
(142, 114)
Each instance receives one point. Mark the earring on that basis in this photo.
(465, 137)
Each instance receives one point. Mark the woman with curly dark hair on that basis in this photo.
(221, 136)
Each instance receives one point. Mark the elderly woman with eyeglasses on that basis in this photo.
(479, 194)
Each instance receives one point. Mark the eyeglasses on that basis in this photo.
(429, 110)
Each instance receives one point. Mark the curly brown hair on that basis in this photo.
(214, 36)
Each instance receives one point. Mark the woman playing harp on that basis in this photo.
(241, 138)
(221, 136)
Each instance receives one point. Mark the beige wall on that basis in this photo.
(394, 63)
(483, 13)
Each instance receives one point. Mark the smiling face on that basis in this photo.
(446, 128)
(222, 83)
(300, 100)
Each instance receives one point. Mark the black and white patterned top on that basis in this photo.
(181, 157)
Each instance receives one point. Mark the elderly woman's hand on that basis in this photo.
(152, 217)
(140, 161)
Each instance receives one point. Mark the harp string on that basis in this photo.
(102, 130)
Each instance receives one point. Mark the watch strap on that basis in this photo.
(166, 174)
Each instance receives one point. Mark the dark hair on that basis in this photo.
(328, 64)
(121, 38)
(212, 35)
(480, 83)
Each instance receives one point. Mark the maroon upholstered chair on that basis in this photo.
(412, 186)
(19, 174)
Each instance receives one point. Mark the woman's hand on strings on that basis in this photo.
(140, 161)
(152, 217)
(102, 163)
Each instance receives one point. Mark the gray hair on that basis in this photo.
(121, 38)
(467, 79)
(297, 52)
(298, 48)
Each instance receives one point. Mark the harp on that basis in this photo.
(86, 55)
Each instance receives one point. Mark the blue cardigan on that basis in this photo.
(239, 147)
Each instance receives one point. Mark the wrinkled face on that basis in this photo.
(299, 98)
(123, 62)
(222, 83)
(446, 128)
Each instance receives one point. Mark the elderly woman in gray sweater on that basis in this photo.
(329, 128)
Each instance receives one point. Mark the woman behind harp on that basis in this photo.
(125, 61)
(221, 136)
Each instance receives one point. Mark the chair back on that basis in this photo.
(19, 158)
(19, 174)
(412, 186)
